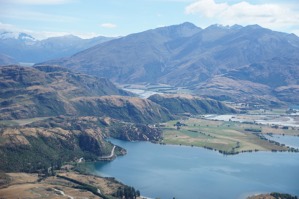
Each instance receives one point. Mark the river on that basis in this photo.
(167, 171)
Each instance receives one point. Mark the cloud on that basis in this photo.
(39, 35)
(35, 2)
(269, 15)
(108, 25)
(8, 27)
(207, 8)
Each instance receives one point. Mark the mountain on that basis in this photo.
(6, 60)
(140, 57)
(25, 48)
(187, 104)
(185, 55)
(28, 92)
(168, 55)
(269, 82)
(45, 91)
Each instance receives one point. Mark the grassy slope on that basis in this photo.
(32, 186)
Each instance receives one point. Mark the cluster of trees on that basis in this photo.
(253, 130)
(178, 125)
(127, 192)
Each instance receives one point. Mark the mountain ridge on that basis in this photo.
(28, 92)
(187, 60)
(25, 48)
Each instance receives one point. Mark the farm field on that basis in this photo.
(224, 136)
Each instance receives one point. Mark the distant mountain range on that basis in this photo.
(268, 82)
(21, 47)
(236, 63)
(6, 60)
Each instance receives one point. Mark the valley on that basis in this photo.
(146, 90)
(160, 110)
(228, 134)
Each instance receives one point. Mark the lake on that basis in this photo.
(290, 141)
(167, 171)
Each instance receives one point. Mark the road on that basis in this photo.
(109, 156)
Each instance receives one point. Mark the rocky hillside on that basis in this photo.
(185, 55)
(27, 92)
(182, 104)
(129, 109)
(45, 91)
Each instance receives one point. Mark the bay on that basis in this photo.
(290, 141)
(166, 171)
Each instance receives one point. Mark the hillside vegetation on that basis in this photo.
(32, 149)
(53, 141)
(180, 104)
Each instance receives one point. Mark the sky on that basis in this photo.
(90, 18)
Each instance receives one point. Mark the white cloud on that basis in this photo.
(296, 32)
(207, 8)
(108, 25)
(7, 27)
(270, 15)
(35, 2)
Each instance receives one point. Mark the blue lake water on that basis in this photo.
(290, 141)
(167, 171)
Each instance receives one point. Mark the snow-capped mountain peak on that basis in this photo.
(17, 35)
(26, 37)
